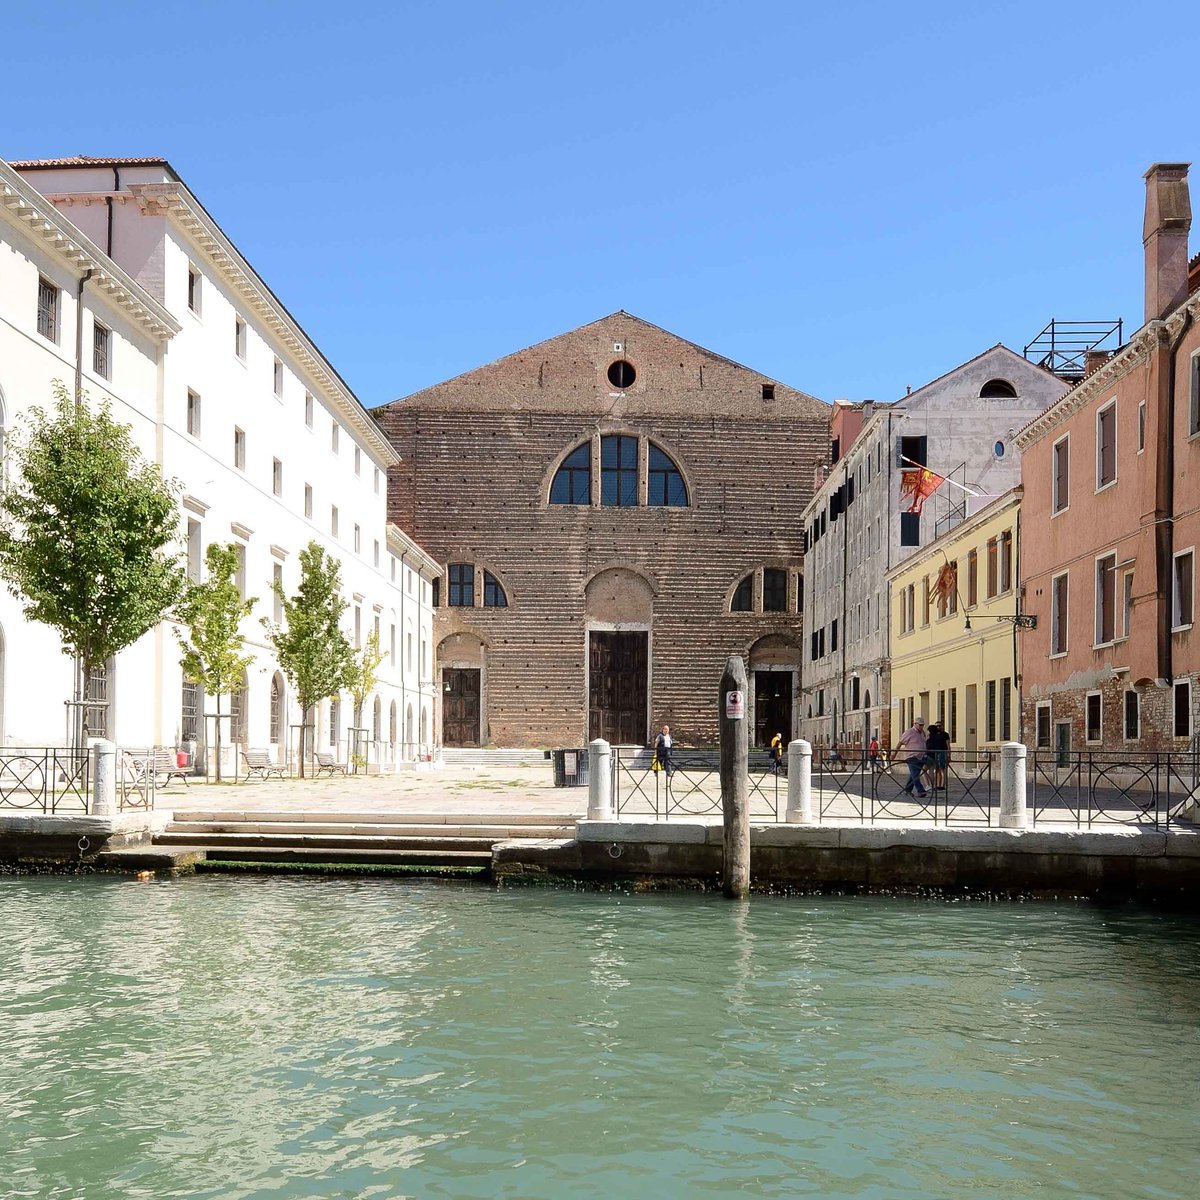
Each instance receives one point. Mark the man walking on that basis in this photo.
(913, 747)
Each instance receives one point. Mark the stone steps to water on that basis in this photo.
(431, 819)
(323, 842)
(199, 830)
(373, 856)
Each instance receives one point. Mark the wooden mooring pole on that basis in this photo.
(735, 779)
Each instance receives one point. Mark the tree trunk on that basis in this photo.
(303, 735)
(218, 737)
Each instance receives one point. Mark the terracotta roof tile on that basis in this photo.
(84, 160)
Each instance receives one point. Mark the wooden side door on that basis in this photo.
(617, 673)
(460, 706)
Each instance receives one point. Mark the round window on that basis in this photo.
(999, 449)
(621, 374)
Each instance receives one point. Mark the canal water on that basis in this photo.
(237, 1038)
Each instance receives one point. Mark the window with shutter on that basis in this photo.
(1061, 475)
(1106, 446)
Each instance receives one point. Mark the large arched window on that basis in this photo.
(775, 590)
(392, 724)
(998, 389)
(619, 470)
(237, 712)
(493, 593)
(377, 724)
(743, 598)
(666, 484)
(276, 716)
(573, 480)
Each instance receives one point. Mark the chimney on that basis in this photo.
(1165, 236)
(1093, 360)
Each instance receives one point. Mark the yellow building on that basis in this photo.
(954, 647)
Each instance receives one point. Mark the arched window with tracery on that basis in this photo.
(743, 597)
(276, 722)
(619, 470)
(666, 488)
(494, 595)
(573, 480)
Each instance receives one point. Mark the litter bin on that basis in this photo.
(571, 768)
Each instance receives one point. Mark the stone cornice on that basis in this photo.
(24, 206)
(173, 199)
(400, 543)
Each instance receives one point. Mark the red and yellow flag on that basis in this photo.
(916, 486)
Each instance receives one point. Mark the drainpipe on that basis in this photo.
(108, 200)
(1166, 522)
(79, 333)
(1019, 598)
(845, 578)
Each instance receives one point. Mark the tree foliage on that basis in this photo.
(313, 651)
(88, 530)
(364, 673)
(213, 611)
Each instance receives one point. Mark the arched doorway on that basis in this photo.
(392, 725)
(774, 686)
(619, 606)
(464, 690)
(276, 719)
(409, 748)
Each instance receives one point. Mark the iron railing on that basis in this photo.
(692, 787)
(1105, 787)
(47, 779)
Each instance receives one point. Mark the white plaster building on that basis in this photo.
(962, 426)
(225, 390)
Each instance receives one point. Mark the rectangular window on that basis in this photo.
(239, 449)
(376, 555)
(1106, 599)
(276, 477)
(1094, 717)
(358, 627)
(240, 573)
(239, 338)
(1006, 560)
(193, 413)
(775, 587)
(1058, 614)
(195, 553)
(1194, 395)
(377, 481)
(1106, 445)
(910, 529)
(1126, 603)
(972, 578)
(1061, 475)
(833, 636)
(357, 461)
(925, 594)
(461, 592)
(308, 409)
(1133, 716)
(1183, 708)
(101, 350)
(619, 470)
(333, 520)
(910, 595)
(913, 451)
(47, 313)
(277, 379)
(1005, 710)
(993, 567)
(1182, 590)
(276, 593)
(308, 510)
(1042, 732)
(436, 601)
(991, 710)
(392, 646)
(357, 540)
(1141, 426)
(333, 437)
(195, 286)
(952, 728)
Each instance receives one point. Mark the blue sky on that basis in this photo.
(849, 197)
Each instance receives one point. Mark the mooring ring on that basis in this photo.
(615, 850)
(84, 845)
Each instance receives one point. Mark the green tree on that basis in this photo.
(364, 674)
(88, 533)
(313, 652)
(213, 612)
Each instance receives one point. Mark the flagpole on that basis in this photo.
(944, 478)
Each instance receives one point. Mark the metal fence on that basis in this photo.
(692, 788)
(1081, 789)
(1089, 788)
(46, 779)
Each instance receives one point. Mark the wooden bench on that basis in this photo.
(325, 762)
(258, 762)
(164, 767)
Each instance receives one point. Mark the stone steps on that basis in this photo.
(331, 842)
(373, 856)
(467, 757)
(291, 818)
(202, 830)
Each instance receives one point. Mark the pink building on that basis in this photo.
(1111, 520)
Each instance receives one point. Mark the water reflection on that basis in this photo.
(272, 1038)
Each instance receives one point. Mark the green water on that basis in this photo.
(220, 1037)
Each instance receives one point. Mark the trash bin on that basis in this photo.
(570, 768)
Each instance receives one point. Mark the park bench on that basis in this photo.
(258, 762)
(325, 762)
(163, 766)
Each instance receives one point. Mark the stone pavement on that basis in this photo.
(452, 790)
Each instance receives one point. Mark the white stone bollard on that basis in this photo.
(599, 781)
(799, 801)
(1013, 813)
(104, 777)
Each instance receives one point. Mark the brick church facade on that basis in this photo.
(616, 511)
